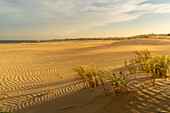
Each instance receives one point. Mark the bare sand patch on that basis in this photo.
(28, 71)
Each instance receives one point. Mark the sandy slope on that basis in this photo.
(28, 71)
(93, 101)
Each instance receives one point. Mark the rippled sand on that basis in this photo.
(28, 72)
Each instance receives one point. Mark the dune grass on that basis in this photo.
(158, 66)
(143, 62)
(133, 66)
(130, 66)
(142, 56)
(92, 76)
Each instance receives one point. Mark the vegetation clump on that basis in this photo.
(155, 66)
(92, 76)
(142, 56)
(143, 62)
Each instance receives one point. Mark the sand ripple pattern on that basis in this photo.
(25, 84)
(25, 100)
(16, 77)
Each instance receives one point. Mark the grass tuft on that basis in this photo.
(154, 66)
(95, 75)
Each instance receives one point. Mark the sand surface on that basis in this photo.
(28, 75)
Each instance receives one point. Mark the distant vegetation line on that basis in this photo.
(116, 38)
(84, 39)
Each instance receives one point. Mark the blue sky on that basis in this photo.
(52, 19)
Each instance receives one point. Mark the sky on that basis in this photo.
(54, 19)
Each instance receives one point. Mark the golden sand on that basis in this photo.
(28, 72)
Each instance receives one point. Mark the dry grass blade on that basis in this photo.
(95, 75)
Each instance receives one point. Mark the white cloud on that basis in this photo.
(72, 15)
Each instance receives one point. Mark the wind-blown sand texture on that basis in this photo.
(28, 77)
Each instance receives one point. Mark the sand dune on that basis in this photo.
(93, 101)
(28, 72)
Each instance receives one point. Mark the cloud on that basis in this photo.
(73, 15)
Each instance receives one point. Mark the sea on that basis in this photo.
(39, 41)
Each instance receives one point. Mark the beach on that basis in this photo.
(39, 77)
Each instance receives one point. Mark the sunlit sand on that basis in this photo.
(29, 81)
